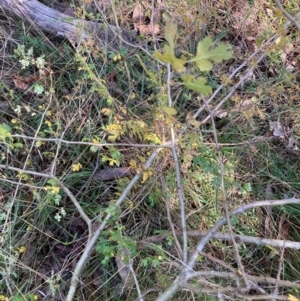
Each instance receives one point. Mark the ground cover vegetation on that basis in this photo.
(163, 171)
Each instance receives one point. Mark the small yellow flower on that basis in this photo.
(21, 249)
(36, 297)
(3, 298)
(159, 257)
(52, 189)
(76, 167)
(47, 122)
(14, 121)
(117, 57)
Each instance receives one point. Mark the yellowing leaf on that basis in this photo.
(152, 137)
(146, 175)
(106, 111)
(168, 55)
(198, 85)
(292, 298)
(52, 189)
(205, 55)
(170, 33)
(132, 163)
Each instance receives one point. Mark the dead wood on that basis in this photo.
(44, 18)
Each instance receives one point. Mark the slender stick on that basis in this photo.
(288, 15)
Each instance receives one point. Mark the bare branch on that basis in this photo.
(257, 279)
(177, 172)
(281, 260)
(180, 253)
(259, 241)
(58, 140)
(263, 297)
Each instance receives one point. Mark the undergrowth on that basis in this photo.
(69, 113)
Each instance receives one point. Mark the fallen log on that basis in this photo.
(77, 31)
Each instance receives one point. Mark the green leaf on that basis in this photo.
(198, 85)
(17, 145)
(52, 182)
(38, 89)
(5, 129)
(168, 55)
(205, 56)
(168, 110)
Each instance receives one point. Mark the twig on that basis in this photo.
(230, 275)
(28, 157)
(281, 259)
(8, 215)
(136, 283)
(238, 238)
(58, 140)
(263, 297)
(237, 211)
(210, 291)
(177, 172)
(180, 253)
(287, 14)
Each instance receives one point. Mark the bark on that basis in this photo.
(42, 17)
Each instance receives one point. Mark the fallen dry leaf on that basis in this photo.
(138, 16)
(20, 84)
(112, 173)
(148, 29)
(23, 83)
(124, 267)
(139, 19)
